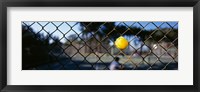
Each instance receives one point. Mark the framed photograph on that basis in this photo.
(74, 45)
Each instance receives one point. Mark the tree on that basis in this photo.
(35, 48)
(92, 29)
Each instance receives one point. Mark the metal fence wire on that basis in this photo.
(91, 45)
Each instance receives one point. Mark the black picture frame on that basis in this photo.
(100, 3)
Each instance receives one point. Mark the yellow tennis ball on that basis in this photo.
(121, 43)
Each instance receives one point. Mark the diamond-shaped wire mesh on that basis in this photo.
(91, 45)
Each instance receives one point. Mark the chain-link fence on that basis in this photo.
(91, 45)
